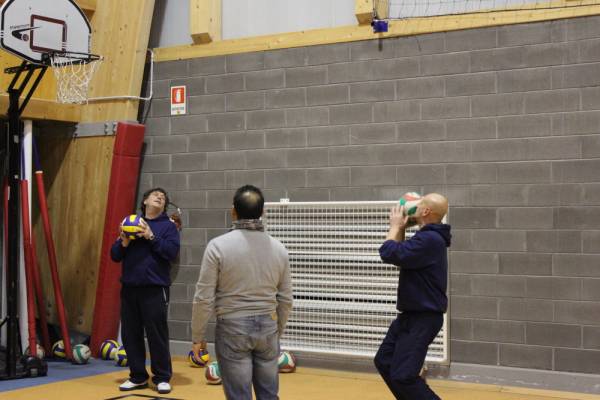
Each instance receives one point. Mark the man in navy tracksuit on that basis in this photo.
(145, 292)
(422, 297)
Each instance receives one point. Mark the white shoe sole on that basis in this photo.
(136, 387)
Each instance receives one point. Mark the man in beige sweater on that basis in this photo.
(245, 281)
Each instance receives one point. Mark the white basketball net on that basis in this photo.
(72, 78)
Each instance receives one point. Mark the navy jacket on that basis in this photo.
(423, 263)
(145, 262)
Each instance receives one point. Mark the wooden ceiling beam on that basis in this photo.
(45, 109)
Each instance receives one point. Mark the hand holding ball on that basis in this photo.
(198, 362)
(130, 226)
(410, 201)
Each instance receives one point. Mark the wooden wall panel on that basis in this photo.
(76, 178)
(123, 42)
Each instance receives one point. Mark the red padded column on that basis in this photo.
(122, 187)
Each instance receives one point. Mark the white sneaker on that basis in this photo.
(128, 385)
(163, 387)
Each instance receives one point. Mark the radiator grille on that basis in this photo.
(344, 295)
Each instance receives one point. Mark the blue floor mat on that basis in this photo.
(63, 370)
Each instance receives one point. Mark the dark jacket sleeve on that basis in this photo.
(413, 253)
(117, 252)
(167, 244)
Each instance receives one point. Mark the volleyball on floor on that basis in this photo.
(58, 349)
(81, 354)
(121, 357)
(198, 362)
(286, 362)
(212, 373)
(108, 349)
(130, 226)
(410, 201)
(40, 353)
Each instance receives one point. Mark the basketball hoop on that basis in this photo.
(73, 72)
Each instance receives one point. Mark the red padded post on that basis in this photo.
(122, 187)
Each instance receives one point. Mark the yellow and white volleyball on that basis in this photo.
(198, 362)
(121, 357)
(58, 349)
(130, 226)
(286, 362)
(213, 373)
(81, 354)
(39, 353)
(108, 349)
(410, 201)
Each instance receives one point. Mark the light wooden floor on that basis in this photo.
(304, 384)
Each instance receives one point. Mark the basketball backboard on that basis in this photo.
(33, 29)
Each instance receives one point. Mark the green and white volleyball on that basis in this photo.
(410, 201)
(212, 373)
(286, 362)
(81, 354)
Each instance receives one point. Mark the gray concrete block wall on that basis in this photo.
(505, 121)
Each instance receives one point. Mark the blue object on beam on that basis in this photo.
(379, 25)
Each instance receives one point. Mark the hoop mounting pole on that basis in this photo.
(15, 131)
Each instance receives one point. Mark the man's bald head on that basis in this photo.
(248, 202)
(438, 205)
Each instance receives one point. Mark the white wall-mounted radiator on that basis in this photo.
(344, 295)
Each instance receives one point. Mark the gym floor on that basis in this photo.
(65, 382)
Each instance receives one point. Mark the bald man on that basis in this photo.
(422, 299)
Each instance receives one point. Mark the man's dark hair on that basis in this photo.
(248, 202)
(148, 192)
